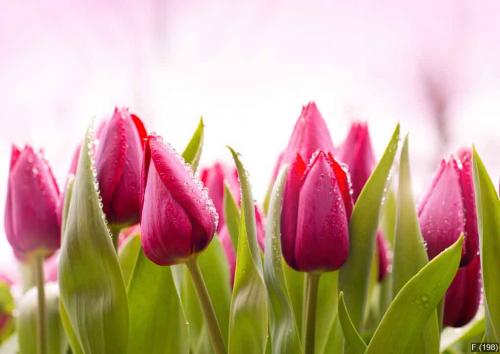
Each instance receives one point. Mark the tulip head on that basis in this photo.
(31, 212)
(463, 296)
(383, 256)
(317, 205)
(178, 217)
(357, 154)
(214, 178)
(449, 209)
(118, 164)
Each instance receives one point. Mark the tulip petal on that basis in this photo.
(322, 240)
(290, 209)
(343, 182)
(166, 228)
(441, 214)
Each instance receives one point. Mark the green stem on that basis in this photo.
(309, 316)
(206, 305)
(41, 328)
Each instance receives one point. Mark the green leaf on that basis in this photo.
(90, 278)
(453, 336)
(295, 285)
(248, 324)
(354, 274)
(6, 309)
(283, 328)
(411, 309)
(409, 250)
(231, 215)
(192, 152)
(76, 348)
(157, 322)
(488, 210)
(128, 254)
(215, 272)
(335, 343)
(27, 322)
(354, 342)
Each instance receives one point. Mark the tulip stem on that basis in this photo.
(41, 329)
(207, 306)
(309, 316)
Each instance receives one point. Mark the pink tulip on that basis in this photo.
(309, 134)
(118, 165)
(178, 217)
(31, 211)
(214, 178)
(463, 296)
(317, 206)
(357, 153)
(449, 209)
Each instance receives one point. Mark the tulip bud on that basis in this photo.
(31, 211)
(383, 256)
(178, 217)
(449, 209)
(309, 135)
(463, 296)
(357, 153)
(317, 206)
(213, 178)
(118, 165)
(229, 248)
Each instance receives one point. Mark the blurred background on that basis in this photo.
(247, 68)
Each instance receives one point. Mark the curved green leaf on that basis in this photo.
(488, 208)
(409, 250)
(70, 332)
(295, 285)
(128, 254)
(354, 342)
(157, 322)
(283, 329)
(192, 152)
(248, 324)
(231, 215)
(411, 309)
(354, 274)
(6, 309)
(215, 272)
(90, 278)
(326, 309)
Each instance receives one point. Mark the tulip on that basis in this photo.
(357, 153)
(315, 215)
(463, 296)
(178, 217)
(214, 178)
(228, 246)
(449, 209)
(309, 135)
(31, 211)
(118, 163)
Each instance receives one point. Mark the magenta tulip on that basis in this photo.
(118, 165)
(178, 217)
(383, 256)
(449, 209)
(463, 296)
(317, 206)
(214, 178)
(31, 212)
(309, 135)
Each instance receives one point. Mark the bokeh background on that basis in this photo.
(248, 67)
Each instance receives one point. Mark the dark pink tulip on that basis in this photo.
(213, 178)
(357, 154)
(178, 217)
(463, 296)
(448, 209)
(228, 246)
(31, 211)
(317, 206)
(118, 165)
(309, 135)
